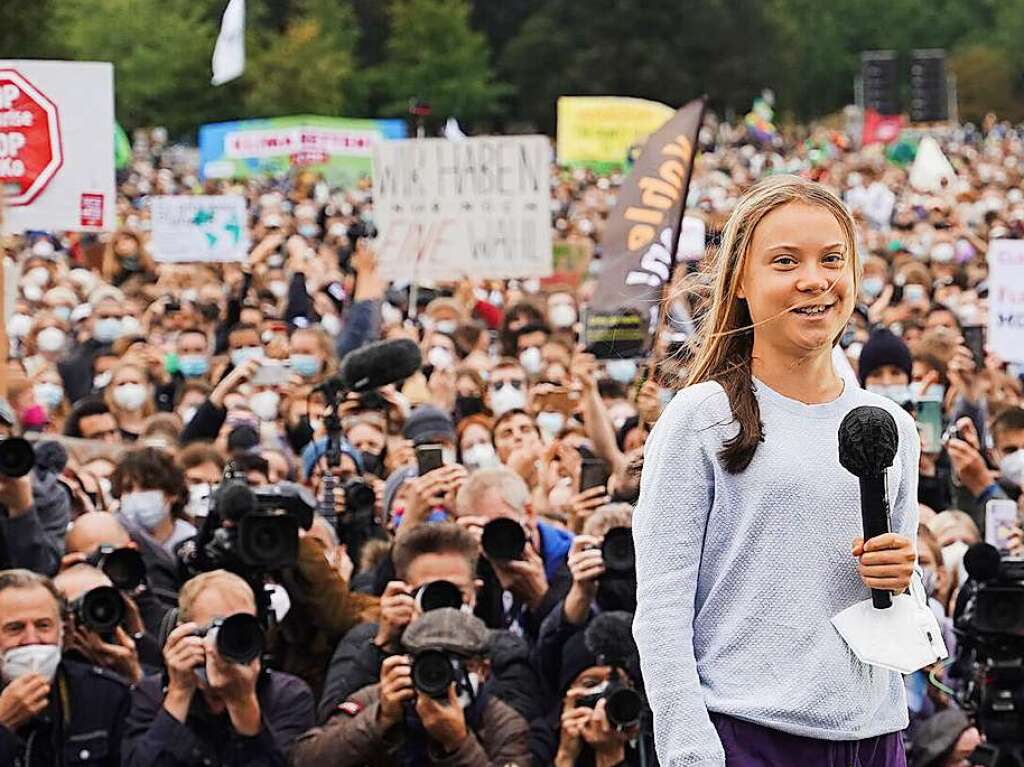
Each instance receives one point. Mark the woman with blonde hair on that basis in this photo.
(130, 399)
(746, 529)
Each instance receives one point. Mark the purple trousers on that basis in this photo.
(752, 745)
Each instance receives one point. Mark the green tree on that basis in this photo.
(305, 68)
(27, 33)
(161, 51)
(433, 55)
(985, 79)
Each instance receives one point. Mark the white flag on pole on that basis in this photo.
(229, 53)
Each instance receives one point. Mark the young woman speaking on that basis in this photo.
(747, 526)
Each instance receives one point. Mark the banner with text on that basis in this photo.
(641, 239)
(1006, 299)
(479, 207)
(338, 147)
(57, 144)
(198, 228)
(602, 132)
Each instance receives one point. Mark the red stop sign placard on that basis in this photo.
(30, 145)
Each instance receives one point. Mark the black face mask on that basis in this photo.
(617, 592)
(466, 406)
(300, 434)
(373, 463)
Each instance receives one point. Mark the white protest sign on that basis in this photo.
(57, 144)
(198, 228)
(478, 207)
(1006, 299)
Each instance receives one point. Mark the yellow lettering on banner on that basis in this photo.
(640, 236)
(657, 193)
(642, 216)
(674, 172)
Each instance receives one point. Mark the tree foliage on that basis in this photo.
(435, 56)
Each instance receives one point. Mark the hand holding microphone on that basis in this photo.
(886, 561)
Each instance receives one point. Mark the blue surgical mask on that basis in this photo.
(306, 365)
(550, 422)
(872, 287)
(623, 371)
(193, 365)
(147, 508)
(898, 393)
(108, 329)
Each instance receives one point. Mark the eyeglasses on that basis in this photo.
(515, 384)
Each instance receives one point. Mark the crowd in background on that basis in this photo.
(156, 379)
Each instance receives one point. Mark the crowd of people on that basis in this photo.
(462, 593)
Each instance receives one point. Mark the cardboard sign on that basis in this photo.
(1006, 299)
(198, 228)
(599, 132)
(57, 144)
(478, 208)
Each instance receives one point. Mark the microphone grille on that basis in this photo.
(868, 439)
(981, 561)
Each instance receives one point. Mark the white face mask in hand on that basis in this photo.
(40, 659)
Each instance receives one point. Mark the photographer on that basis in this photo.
(209, 709)
(602, 714)
(446, 555)
(53, 710)
(398, 722)
(34, 511)
(539, 579)
(115, 652)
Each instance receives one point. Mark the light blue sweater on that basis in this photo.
(738, 576)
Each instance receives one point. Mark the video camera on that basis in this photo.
(989, 624)
(263, 526)
(17, 457)
(239, 638)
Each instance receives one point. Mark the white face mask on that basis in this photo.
(531, 360)
(131, 326)
(562, 315)
(280, 602)
(278, 288)
(51, 339)
(446, 326)
(147, 508)
(38, 275)
(440, 358)
(41, 659)
(199, 501)
(898, 393)
(550, 422)
(130, 396)
(480, 456)
(265, 404)
(100, 380)
(331, 324)
(507, 398)
(953, 558)
(19, 325)
(49, 394)
(1011, 467)
(241, 355)
(108, 329)
(188, 414)
(623, 371)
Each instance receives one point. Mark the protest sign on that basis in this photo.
(598, 132)
(57, 144)
(339, 148)
(198, 228)
(641, 240)
(1006, 299)
(478, 207)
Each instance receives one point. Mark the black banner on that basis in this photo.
(641, 239)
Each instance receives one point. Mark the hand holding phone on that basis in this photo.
(1000, 523)
(428, 458)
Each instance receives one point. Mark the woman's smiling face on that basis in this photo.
(798, 278)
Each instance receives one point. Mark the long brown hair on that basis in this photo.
(723, 345)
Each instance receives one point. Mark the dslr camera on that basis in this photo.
(238, 638)
(265, 523)
(623, 705)
(100, 609)
(433, 672)
(123, 566)
(437, 594)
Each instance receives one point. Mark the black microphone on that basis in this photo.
(233, 500)
(868, 439)
(375, 365)
(981, 561)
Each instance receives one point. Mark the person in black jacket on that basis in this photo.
(54, 712)
(207, 709)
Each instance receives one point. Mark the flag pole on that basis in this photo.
(4, 343)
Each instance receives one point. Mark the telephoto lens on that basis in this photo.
(123, 566)
(617, 550)
(100, 609)
(623, 705)
(17, 457)
(239, 638)
(503, 539)
(433, 673)
(268, 540)
(436, 594)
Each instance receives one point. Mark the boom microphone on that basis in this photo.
(376, 365)
(868, 440)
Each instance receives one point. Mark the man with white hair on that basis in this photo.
(517, 593)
